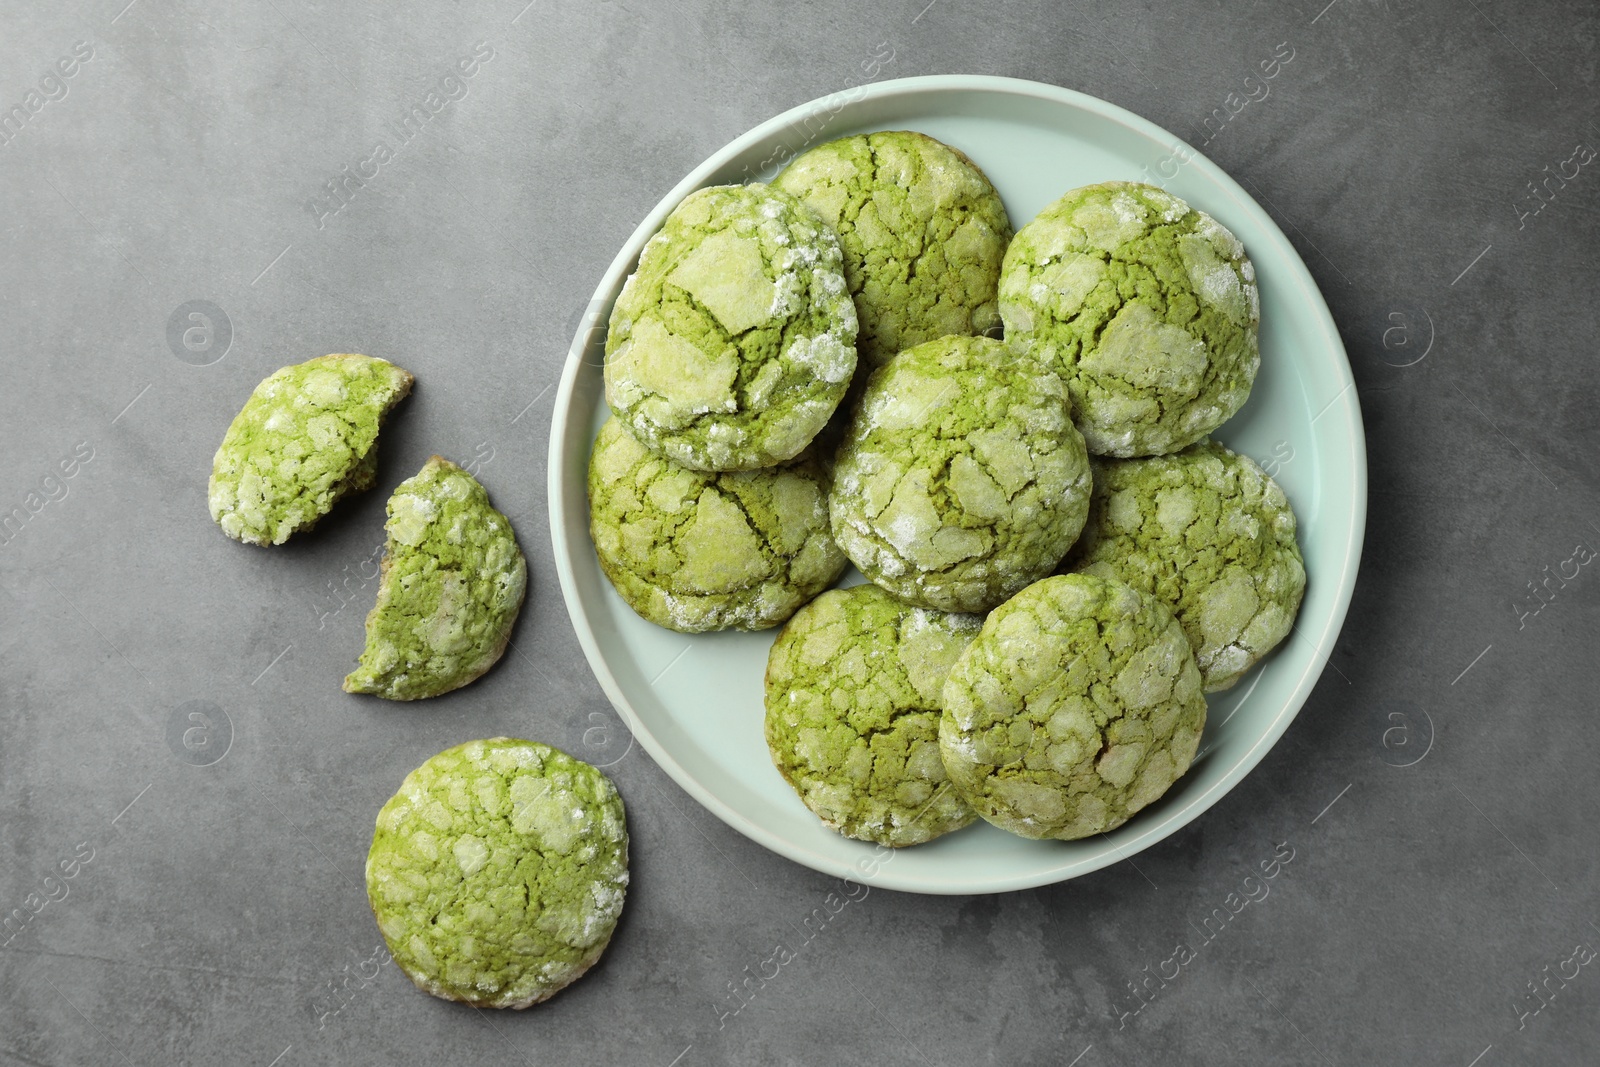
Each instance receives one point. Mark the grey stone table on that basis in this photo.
(1432, 818)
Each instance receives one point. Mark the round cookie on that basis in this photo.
(498, 871)
(961, 478)
(1211, 536)
(853, 696)
(1078, 704)
(696, 551)
(307, 436)
(1147, 307)
(451, 586)
(922, 231)
(734, 340)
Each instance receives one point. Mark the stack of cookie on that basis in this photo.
(1006, 409)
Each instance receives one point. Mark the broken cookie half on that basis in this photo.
(452, 583)
(307, 436)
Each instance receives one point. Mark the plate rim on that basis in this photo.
(1346, 405)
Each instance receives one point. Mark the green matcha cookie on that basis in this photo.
(854, 686)
(1078, 704)
(307, 436)
(696, 551)
(1211, 536)
(1146, 306)
(452, 583)
(922, 232)
(961, 478)
(734, 340)
(498, 871)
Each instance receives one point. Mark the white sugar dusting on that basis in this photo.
(907, 531)
(1217, 234)
(785, 295)
(1218, 286)
(824, 355)
(1174, 208)
(1127, 209)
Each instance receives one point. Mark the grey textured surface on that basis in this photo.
(1437, 791)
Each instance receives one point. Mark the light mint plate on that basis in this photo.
(695, 702)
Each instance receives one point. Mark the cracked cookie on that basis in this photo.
(306, 437)
(695, 551)
(1077, 705)
(734, 340)
(961, 478)
(853, 697)
(451, 586)
(1147, 308)
(498, 871)
(1211, 536)
(922, 231)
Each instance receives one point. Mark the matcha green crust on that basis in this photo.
(854, 686)
(451, 586)
(1147, 307)
(1078, 704)
(1210, 535)
(307, 436)
(695, 551)
(498, 871)
(734, 340)
(922, 232)
(961, 478)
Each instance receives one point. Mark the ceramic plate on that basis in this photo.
(695, 702)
